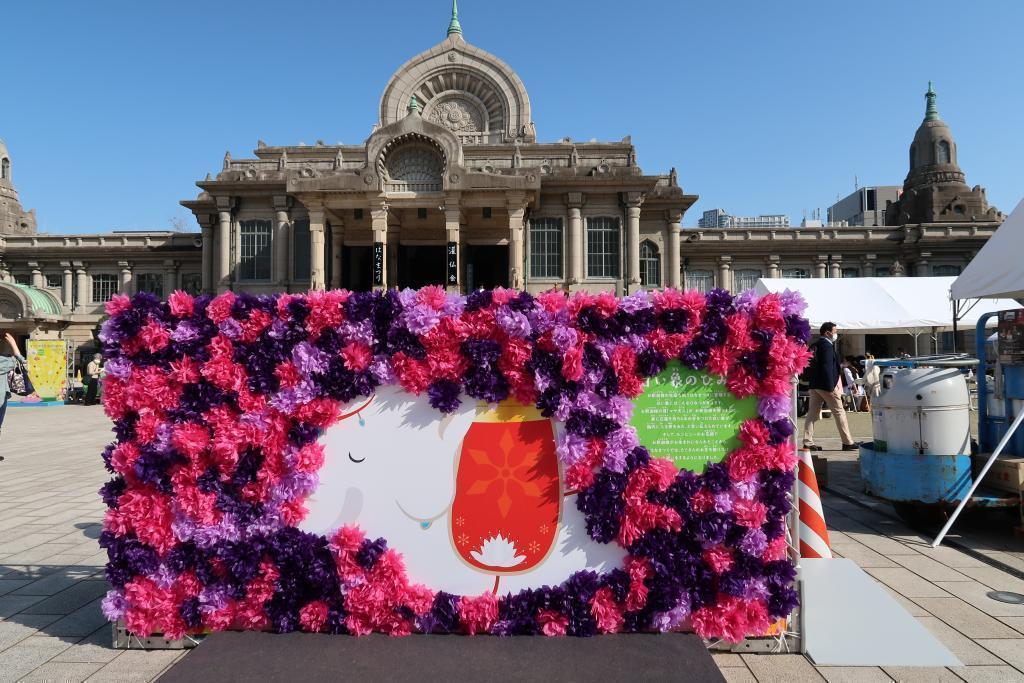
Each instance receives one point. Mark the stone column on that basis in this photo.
(821, 266)
(282, 237)
(836, 267)
(516, 253)
(773, 266)
(633, 202)
(922, 264)
(222, 276)
(725, 272)
(170, 277)
(337, 239)
(379, 225)
(37, 275)
(452, 219)
(575, 200)
(126, 277)
(206, 274)
(317, 277)
(672, 242)
(68, 286)
(83, 284)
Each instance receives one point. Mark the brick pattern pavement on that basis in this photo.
(51, 568)
(51, 573)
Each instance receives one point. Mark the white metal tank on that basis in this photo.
(923, 411)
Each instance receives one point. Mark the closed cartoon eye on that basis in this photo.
(354, 460)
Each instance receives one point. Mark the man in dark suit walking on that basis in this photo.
(824, 374)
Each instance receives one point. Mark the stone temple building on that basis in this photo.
(454, 186)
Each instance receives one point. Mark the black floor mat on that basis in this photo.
(252, 656)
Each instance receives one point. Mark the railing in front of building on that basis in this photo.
(402, 186)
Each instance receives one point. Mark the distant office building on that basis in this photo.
(864, 207)
(719, 218)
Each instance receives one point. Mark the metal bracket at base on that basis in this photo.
(125, 640)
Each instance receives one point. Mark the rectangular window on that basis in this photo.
(104, 287)
(150, 282)
(358, 213)
(882, 272)
(254, 256)
(54, 280)
(421, 214)
(300, 250)
(603, 247)
(746, 278)
(487, 212)
(799, 273)
(192, 283)
(851, 272)
(945, 271)
(701, 280)
(546, 247)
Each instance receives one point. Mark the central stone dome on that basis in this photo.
(472, 93)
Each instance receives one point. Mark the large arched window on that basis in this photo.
(942, 152)
(650, 264)
(5, 168)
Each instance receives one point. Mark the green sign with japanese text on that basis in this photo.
(689, 416)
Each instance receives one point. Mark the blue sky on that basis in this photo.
(112, 110)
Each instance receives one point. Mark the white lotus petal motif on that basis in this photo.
(498, 551)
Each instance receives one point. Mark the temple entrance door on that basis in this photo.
(420, 265)
(486, 266)
(356, 268)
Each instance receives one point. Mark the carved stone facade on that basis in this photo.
(453, 187)
(13, 219)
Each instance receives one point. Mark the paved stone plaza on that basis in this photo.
(51, 570)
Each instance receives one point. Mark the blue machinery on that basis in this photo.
(917, 477)
(1010, 373)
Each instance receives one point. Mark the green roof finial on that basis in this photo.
(414, 105)
(454, 26)
(931, 113)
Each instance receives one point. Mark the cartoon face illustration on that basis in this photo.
(465, 497)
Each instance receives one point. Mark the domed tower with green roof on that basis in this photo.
(13, 219)
(935, 189)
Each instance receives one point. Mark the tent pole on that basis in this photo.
(956, 313)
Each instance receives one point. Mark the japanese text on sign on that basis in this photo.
(689, 416)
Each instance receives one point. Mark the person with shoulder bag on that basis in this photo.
(12, 369)
(825, 374)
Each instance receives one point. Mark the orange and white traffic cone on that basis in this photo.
(813, 532)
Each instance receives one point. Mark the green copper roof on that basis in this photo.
(454, 26)
(43, 302)
(931, 113)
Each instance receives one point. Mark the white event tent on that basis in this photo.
(882, 305)
(998, 269)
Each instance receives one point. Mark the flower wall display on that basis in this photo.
(219, 404)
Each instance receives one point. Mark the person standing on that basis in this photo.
(8, 361)
(92, 375)
(826, 388)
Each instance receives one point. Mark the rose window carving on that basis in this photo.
(457, 116)
(415, 164)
